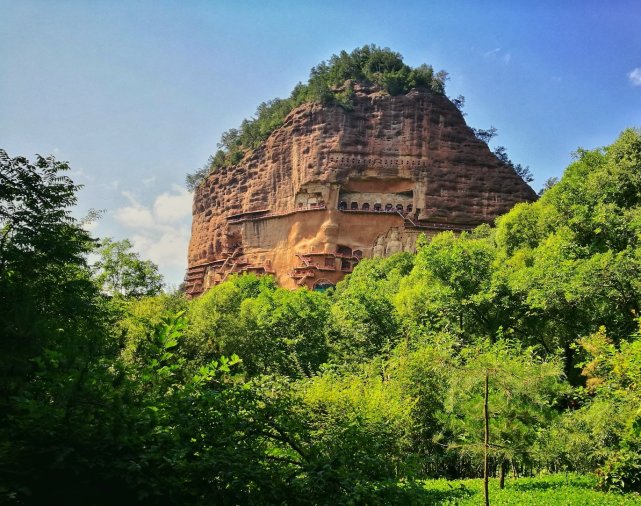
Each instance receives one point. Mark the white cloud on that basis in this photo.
(499, 55)
(167, 249)
(89, 226)
(135, 217)
(159, 232)
(170, 208)
(635, 76)
(112, 185)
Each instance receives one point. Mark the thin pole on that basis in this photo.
(486, 462)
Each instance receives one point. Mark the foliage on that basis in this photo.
(274, 330)
(523, 390)
(547, 184)
(361, 422)
(364, 322)
(523, 172)
(485, 135)
(53, 324)
(615, 375)
(329, 83)
(49, 305)
(501, 153)
(286, 331)
(581, 438)
(459, 103)
(43, 275)
(584, 231)
(139, 316)
(251, 394)
(452, 288)
(120, 271)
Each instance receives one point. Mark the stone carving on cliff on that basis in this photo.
(378, 250)
(393, 244)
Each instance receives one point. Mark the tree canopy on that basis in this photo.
(120, 271)
(508, 348)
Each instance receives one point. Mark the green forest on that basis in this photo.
(518, 342)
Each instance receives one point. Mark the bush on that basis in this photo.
(622, 471)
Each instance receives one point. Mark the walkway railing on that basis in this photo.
(408, 218)
(274, 214)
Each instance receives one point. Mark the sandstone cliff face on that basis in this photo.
(331, 186)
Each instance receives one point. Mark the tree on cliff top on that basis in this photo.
(328, 83)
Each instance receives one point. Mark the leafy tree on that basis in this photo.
(423, 371)
(121, 272)
(360, 423)
(53, 325)
(286, 332)
(523, 172)
(571, 256)
(459, 103)
(547, 184)
(485, 135)
(364, 322)
(44, 280)
(501, 153)
(193, 180)
(139, 317)
(614, 375)
(507, 393)
(454, 288)
(215, 325)
(276, 331)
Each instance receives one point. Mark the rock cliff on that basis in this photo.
(332, 186)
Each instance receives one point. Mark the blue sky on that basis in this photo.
(136, 94)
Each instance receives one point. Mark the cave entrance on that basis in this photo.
(323, 285)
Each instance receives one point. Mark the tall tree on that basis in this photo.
(51, 324)
(499, 398)
(44, 279)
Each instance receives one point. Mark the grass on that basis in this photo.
(553, 489)
(558, 489)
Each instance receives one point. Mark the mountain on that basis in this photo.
(335, 184)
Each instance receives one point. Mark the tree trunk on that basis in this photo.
(502, 471)
(486, 460)
(571, 372)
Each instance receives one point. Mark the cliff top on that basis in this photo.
(365, 70)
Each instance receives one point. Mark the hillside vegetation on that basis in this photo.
(372, 393)
(326, 85)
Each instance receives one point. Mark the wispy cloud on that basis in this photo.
(150, 181)
(81, 174)
(159, 232)
(499, 55)
(492, 54)
(635, 76)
